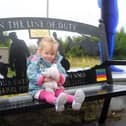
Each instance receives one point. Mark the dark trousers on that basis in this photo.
(4, 69)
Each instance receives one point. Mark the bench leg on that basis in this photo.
(104, 111)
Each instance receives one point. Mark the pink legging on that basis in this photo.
(51, 98)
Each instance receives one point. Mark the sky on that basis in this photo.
(86, 11)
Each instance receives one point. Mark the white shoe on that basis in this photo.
(79, 97)
(60, 102)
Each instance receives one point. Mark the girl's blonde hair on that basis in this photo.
(47, 40)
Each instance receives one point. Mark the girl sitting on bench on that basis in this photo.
(46, 56)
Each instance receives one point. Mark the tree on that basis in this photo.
(120, 45)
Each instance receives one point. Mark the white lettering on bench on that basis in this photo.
(29, 23)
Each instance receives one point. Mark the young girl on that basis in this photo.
(46, 56)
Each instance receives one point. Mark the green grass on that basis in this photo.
(83, 62)
(10, 73)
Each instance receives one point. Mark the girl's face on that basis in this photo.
(48, 53)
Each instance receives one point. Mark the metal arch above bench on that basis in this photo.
(84, 79)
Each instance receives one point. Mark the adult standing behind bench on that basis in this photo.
(18, 54)
(65, 63)
(3, 55)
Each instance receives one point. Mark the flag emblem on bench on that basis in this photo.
(101, 75)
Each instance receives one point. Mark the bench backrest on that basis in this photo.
(97, 74)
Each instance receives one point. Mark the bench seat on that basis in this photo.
(25, 102)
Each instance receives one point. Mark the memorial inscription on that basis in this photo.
(34, 23)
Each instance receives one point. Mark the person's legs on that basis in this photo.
(3, 69)
(79, 97)
(68, 96)
(50, 98)
(76, 100)
(20, 68)
(47, 96)
(60, 102)
(58, 91)
(61, 99)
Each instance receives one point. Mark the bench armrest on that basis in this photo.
(114, 62)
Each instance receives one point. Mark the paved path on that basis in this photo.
(117, 122)
(118, 103)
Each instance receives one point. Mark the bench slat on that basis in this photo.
(26, 103)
